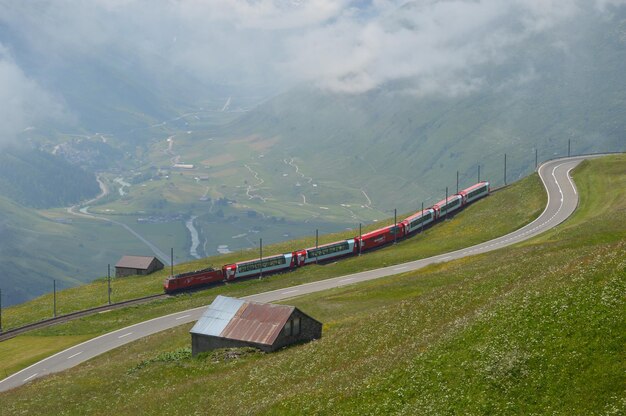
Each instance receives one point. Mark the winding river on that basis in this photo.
(195, 240)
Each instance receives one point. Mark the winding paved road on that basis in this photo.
(562, 201)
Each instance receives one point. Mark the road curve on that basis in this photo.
(562, 201)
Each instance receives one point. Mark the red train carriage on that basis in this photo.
(268, 265)
(475, 192)
(192, 279)
(381, 236)
(418, 220)
(447, 206)
(329, 251)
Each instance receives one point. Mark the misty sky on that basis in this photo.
(338, 45)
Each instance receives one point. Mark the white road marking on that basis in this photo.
(289, 291)
(72, 356)
(183, 317)
(26, 379)
(125, 335)
(346, 280)
(569, 178)
(400, 268)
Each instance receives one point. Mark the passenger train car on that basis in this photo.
(371, 240)
(329, 251)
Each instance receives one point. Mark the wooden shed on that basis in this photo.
(133, 265)
(230, 322)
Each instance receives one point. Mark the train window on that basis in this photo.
(420, 220)
(256, 265)
(477, 192)
(322, 251)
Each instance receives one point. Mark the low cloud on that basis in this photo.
(24, 101)
(351, 46)
(432, 46)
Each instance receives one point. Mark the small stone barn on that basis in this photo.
(132, 265)
(230, 322)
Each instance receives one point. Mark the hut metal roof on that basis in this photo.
(217, 316)
(135, 262)
(247, 321)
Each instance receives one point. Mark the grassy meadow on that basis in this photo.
(532, 329)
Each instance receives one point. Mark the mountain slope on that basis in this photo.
(412, 145)
(41, 180)
(35, 249)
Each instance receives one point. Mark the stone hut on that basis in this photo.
(230, 322)
(141, 265)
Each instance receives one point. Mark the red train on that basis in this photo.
(338, 249)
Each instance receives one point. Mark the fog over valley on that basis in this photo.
(265, 47)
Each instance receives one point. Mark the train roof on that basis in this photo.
(185, 274)
(475, 186)
(330, 244)
(379, 231)
(419, 214)
(450, 198)
(264, 258)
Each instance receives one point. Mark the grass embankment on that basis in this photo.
(536, 328)
(502, 212)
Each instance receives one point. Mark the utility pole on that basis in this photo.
(54, 290)
(109, 282)
(536, 159)
(457, 181)
(316, 241)
(0, 311)
(505, 169)
(360, 239)
(261, 256)
(171, 261)
(569, 145)
(422, 217)
(478, 173)
(395, 227)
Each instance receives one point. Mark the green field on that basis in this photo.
(536, 328)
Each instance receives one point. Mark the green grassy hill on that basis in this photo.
(536, 328)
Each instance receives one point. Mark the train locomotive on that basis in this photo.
(299, 258)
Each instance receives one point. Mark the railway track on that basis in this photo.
(78, 314)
